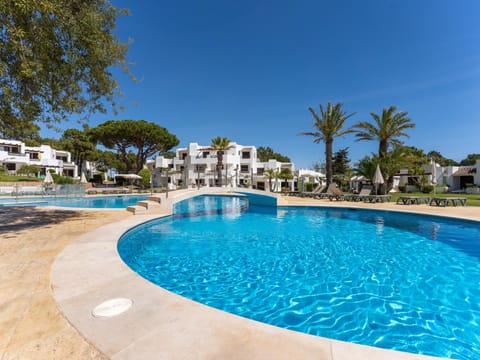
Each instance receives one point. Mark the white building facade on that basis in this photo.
(454, 178)
(15, 154)
(196, 166)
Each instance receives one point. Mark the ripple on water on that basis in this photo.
(395, 281)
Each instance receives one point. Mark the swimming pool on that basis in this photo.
(95, 202)
(392, 280)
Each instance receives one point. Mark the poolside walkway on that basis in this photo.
(32, 326)
(465, 212)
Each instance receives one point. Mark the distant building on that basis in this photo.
(15, 154)
(456, 178)
(195, 166)
(460, 177)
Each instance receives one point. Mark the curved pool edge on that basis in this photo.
(163, 325)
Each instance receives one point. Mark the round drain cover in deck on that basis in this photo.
(112, 307)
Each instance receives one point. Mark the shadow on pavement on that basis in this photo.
(25, 218)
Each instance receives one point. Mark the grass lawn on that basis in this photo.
(472, 199)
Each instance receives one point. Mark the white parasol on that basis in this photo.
(130, 177)
(48, 178)
(377, 178)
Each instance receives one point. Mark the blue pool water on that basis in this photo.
(96, 202)
(392, 280)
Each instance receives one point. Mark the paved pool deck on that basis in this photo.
(56, 263)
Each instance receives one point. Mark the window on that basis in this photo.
(184, 156)
(244, 168)
(245, 155)
(205, 154)
(34, 156)
(260, 171)
(11, 167)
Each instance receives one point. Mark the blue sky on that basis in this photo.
(249, 70)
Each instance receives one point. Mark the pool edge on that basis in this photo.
(163, 323)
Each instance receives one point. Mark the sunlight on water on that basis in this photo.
(397, 281)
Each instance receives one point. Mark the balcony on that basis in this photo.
(15, 158)
(201, 160)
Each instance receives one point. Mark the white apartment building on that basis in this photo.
(196, 166)
(15, 154)
(457, 178)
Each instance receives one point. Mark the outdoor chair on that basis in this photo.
(313, 194)
(328, 192)
(364, 193)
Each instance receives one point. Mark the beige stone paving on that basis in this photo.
(31, 327)
(467, 212)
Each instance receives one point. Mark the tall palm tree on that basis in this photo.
(271, 174)
(329, 124)
(220, 145)
(386, 129)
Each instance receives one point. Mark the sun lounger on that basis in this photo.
(315, 193)
(361, 196)
(410, 200)
(334, 193)
(445, 201)
(378, 198)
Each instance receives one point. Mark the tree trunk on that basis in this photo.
(219, 167)
(328, 160)
(382, 149)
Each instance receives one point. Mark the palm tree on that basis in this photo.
(386, 129)
(285, 175)
(329, 124)
(220, 145)
(390, 165)
(271, 174)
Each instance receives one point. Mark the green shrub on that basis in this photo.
(402, 188)
(308, 187)
(28, 170)
(58, 179)
(427, 189)
(145, 180)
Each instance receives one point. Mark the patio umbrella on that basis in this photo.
(377, 178)
(83, 179)
(130, 177)
(434, 176)
(48, 178)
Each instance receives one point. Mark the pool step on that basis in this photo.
(137, 209)
(156, 198)
(148, 204)
(145, 206)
